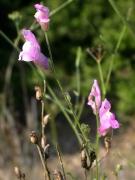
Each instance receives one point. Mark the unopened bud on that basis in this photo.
(39, 94)
(43, 141)
(34, 137)
(84, 159)
(17, 172)
(45, 120)
(57, 175)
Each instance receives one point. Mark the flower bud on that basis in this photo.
(39, 94)
(43, 142)
(33, 137)
(45, 120)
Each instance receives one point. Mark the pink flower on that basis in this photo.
(94, 98)
(107, 118)
(42, 16)
(31, 50)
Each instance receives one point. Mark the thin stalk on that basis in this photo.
(119, 40)
(101, 78)
(60, 7)
(50, 52)
(60, 105)
(76, 120)
(112, 3)
(81, 108)
(124, 20)
(65, 114)
(61, 162)
(113, 56)
(42, 109)
(9, 40)
(69, 104)
(77, 63)
(47, 173)
(97, 146)
(65, 97)
(99, 70)
(42, 116)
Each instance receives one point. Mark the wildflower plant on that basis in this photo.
(101, 106)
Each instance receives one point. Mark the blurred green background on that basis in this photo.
(84, 24)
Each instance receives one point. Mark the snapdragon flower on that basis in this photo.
(107, 118)
(31, 50)
(102, 109)
(42, 16)
(94, 98)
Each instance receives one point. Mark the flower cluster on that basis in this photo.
(31, 49)
(102, 108)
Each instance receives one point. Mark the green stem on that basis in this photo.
(65, 114)
(76, 120)
(44, 164)
(9, 40)
(101, 78)
(78, 56)
(112, 3)
(97, 146)
(50, 52)
(42, 116)
(60, 7)
(81, 108)
(61, 162)
(113, 56)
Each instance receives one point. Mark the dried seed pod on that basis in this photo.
(57, 175)
(45, 120)
(84, 159)
(39, 93)
(43, 141)
(33, 137)
(17, 172)
(107, 142)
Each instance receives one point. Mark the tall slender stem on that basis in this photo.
(50, 52)
(77, 63)
(101, 78)
(97, 146)
(47, 173)
(61, 7)
(114, 54)
(65, 114)
(76, 120)
(119, 39)
(61, 162)
(9, 40)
